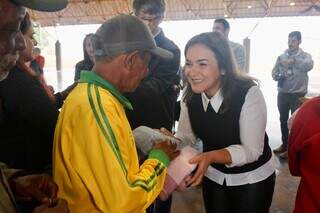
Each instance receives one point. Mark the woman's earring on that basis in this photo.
(223, 72)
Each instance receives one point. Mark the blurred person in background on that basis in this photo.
(223, 26)
(291, 73)
(38, 57)
(88, 57)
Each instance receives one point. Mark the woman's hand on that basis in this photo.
(203, 160)
(221, 156)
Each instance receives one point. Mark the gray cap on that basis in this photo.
(124, 34)
(42, 5)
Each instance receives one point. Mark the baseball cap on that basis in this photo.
(124, 34)
(42, 5)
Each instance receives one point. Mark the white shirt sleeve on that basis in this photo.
(184, 131)
(252, 123)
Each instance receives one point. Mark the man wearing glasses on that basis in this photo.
(154, 99)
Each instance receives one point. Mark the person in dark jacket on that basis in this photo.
(17, 184)
(88, 60)
(154, 99)
(28, 115)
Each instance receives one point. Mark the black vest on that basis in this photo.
(220, 130)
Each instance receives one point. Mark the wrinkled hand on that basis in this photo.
(38, 187)
(166, 132)
(203, 160)
(60, 207)
(169, 148)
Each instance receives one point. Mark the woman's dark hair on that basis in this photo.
(25, 24)
(231, 79)
(86, 56)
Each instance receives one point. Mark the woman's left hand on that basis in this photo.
(203, 160)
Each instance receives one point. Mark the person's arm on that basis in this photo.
(304, 64)
(184, 131)
(276, 71)
(9, 172)
(253, 116)
(78, 70)
(294, 145)
(163, 76)
(61, 96)
(302, 130)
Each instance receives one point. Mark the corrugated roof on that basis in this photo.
(96, 11)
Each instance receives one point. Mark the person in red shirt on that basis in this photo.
(304, 160)
(38, 57)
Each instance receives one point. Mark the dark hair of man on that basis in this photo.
(155, 7)
(224, 22)
(230, 79)
(296, 34)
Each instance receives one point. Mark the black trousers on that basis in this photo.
(249, 198)
(160, 206)
(287, 102)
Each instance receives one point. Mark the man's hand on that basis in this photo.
(60, 207)
(168, 148)
(166, 132)
(38, 187)
(287, 62)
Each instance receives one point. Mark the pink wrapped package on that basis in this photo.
(178, 170)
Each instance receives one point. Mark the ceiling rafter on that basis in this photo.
(96, 11)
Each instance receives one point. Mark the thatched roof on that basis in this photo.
(96, 11)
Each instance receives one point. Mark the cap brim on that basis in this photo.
(43, 5)
(162, 53)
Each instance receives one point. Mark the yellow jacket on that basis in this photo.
(95, 159)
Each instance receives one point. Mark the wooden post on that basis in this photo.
(246, 44)
(58, 65)
(58, 55)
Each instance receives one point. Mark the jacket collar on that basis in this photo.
(93, 78)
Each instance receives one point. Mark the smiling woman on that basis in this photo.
(221, 108)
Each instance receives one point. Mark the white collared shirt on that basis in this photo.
(252, 124)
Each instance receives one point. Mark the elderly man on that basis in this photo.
(95, 159)
(15, 183)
